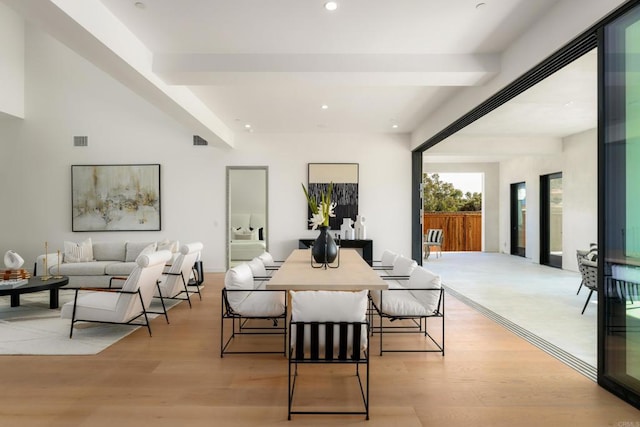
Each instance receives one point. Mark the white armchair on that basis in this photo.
(173, 283)
(119, 305)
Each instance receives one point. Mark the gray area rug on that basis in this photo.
(35, 329)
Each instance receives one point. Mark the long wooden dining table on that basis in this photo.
(353, 274)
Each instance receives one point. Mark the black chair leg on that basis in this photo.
(586, 303)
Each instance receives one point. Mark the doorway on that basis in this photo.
(518, 219)
(551, 196)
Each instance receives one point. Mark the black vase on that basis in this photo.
(324, 249)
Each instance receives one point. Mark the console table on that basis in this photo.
(366, 245)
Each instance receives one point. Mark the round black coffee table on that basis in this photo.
(36, 284)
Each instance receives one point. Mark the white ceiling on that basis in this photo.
(272, 64)
(563, 104)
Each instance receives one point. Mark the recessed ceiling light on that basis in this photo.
(331, 5)
(324, 106)
(247, 126)
(140, 5)
(395, 126)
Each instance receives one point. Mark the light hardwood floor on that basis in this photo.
(489, 377)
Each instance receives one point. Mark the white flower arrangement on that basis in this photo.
(323, 211)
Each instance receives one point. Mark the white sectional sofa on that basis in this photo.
(92, 264)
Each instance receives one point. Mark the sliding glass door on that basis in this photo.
(619, 195)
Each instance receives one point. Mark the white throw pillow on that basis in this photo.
(238, 278)
(325, 306)
(422, 278)
(403, 266)
(78, 252)
(245, 234)
(388, 258)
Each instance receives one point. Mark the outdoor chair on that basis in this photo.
(327, 328)
(433, 238)
(589, 270)
(591, 255)
(123, 305)
(247, 306)
(413, 301)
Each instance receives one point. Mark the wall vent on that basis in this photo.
(80, 141)
(197, 140)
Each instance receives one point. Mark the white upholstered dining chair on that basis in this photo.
(328, 327)
(251, 310)
(412, 302)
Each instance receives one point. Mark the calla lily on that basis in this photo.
(332, 207)
(321, 212)
(316, 220)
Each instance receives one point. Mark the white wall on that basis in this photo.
(578, 164)
(580, 182)
(490, 197)
(67, 96)
(11, 62)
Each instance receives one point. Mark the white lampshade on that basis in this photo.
(12, 260)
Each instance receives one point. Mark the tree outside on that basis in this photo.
(440, 196)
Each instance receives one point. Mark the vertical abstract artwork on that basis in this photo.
(115, 197)
(344, 177)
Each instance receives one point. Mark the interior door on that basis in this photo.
(551, 197)
(518, 219)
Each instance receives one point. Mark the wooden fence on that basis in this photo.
(462, 230)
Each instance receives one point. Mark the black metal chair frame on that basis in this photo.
(580, 254)
(198, 275)
(315, 355)
(164, 308)
(184, 291)
(418, 322)
(240, 324)
(110, 290)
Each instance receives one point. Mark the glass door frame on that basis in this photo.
(546, 257)
(589, 39)
(615, 326)
(515, 210)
